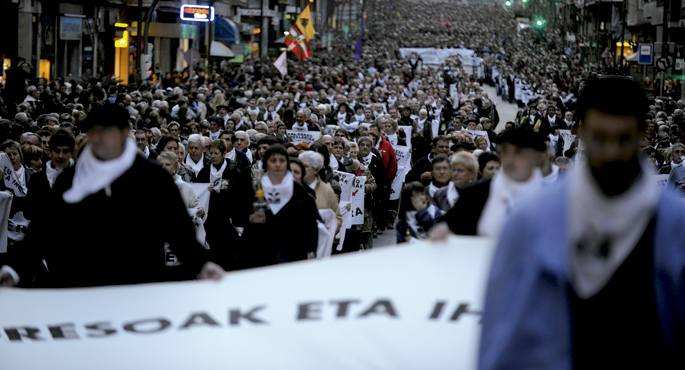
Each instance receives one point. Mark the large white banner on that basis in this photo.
(306, 137)
(365, 314)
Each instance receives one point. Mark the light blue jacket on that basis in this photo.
(526, 318)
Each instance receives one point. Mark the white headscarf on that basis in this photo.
(197, 167)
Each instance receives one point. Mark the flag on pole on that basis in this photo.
(298, 45)
(281, 63)
(305, 24)
(358, 49)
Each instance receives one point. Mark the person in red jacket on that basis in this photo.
(387, 154)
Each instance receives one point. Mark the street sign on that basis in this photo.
(663, 64)
(646, 54)
(70, 28)
(197, 13)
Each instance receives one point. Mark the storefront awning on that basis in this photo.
(226, 31)
(219, 49)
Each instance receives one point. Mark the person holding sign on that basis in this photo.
(285, 230)
(103, 198)
(230, 201)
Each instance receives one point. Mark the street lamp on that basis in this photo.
(507, 3)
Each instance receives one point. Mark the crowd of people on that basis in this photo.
(424, 145)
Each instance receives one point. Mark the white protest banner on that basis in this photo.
(357, 200)
(201, 190)
(345, 181)
(476, 133)
(661, 180)
(568, 138)
(10, 177)
(5, 205)
(306, 137)
(425, 315)
(403, 154)
(407, 131)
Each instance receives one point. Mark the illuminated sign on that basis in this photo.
(197, 13)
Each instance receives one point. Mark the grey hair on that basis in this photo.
(312, 159)
(195, 138)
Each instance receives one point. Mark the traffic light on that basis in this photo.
(539, 23)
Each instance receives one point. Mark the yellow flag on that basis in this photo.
(305, 23)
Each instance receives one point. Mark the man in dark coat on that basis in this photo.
(421, 170)
(481, 208)
(109, 218)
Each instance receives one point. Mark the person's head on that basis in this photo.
(365, 146)
(300, 116)
(61, 146)
(481, 143)
(354, 150)
(263, 144)
(195, 149)
(441, 145)
(169, 161)
(338, 147)
(464, 166)
(217, 151)
(169, 143)
(677, 153)
(227, 138)
(141, 139)
(174, 129)
(488, 165)
(297, 169)
(276, 163)
(440, 170)
(33, 155)
(313, 163)
(29, 138)
(413, 198)
(107, 128)
(521, 151)
(612, 113)
(327, 140)
(281, 129)
(241, 140)
(13, 151)
(261, 127)
(568, 116)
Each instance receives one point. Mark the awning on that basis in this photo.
(218, 49)
(226, 31)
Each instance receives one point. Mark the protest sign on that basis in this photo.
(568, 137)
(307, 137)
(365, 313)
(357, 200)
(403, 154)
(5, 205)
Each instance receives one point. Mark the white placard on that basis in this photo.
(568, 137)
(357, 200)
(306, 137)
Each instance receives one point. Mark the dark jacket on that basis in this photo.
(228, 208)
(422, 165)
(286, 236)
(463, 218)
(112, 239)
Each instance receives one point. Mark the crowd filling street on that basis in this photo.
(194, 175)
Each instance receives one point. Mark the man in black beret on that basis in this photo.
(97, 229)
(482, 208)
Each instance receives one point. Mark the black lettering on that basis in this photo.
(380, 307)
(309, 311)
(358, 211)
(235, 316)
(462, 309)
(102, 329)
(199, 318)
(16, 334)
(63, 331)
(157, 325)
(437, 310)
(343, 307)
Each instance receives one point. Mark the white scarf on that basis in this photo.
(676, 165)
(300, 127)
(594, 218)
(216, 175)
(432, 189)
(349, 127)
(215, 135)
(414, 225)
(392, 138)
(197, 167)
(278, 195)
(367, 159)
(146, 152)
(334, 163)
(230, 155)
(92, 175)
(341, 116)
(358, 118)
(14, 180)
(452, 194)
(504, 192)
(51, 172)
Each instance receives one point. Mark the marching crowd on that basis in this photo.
(124, 167)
